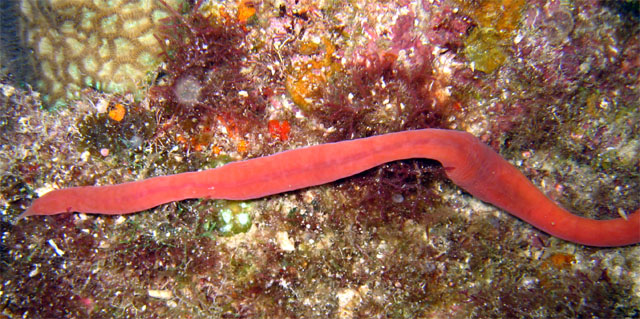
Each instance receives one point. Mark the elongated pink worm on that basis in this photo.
(469, 163)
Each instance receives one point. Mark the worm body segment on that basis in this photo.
(469, 163)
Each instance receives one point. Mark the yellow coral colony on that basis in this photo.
(105, 44)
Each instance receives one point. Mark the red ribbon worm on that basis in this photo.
(469, 163)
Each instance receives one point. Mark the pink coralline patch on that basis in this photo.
(278, 30)
(562, 47)
(505, 119)
(630, 63)
(370, 62)
(629, 69)
(556, 65)
(447, 29)
(403, 59)
(87, 302)
(404, 40)
(403, 37)
(566, 67)
(414, 46)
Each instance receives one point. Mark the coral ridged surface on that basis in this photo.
(107, 45)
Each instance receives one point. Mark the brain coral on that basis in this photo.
(105, 44)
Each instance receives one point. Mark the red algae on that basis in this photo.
(203, 79)
(279, 129)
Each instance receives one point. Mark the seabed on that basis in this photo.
(551, 85)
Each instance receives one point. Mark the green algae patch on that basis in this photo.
(487, 46)
(485, 49)
(231, 217)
